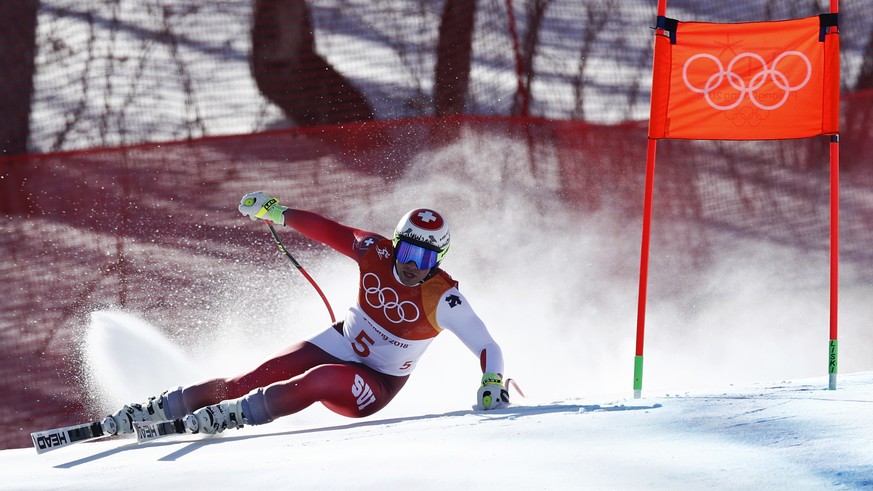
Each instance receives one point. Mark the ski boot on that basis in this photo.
(167, 406)
(250, 409)
(216, 418)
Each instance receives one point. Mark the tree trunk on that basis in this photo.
(454, 51)
(865, 78)
(293, 76)
(17, 51)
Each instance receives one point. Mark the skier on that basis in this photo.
(356, 366)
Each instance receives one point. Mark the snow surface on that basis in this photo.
(778, 435)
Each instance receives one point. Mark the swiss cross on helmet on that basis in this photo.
(424, 228)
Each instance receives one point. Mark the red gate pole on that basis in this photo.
(644, 266)
(835, 247)
(644, 246)
(835, 259)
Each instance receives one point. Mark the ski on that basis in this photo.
(48, 440)
(147, 431)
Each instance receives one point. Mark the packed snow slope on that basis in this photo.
(785, 435)
(779, 435)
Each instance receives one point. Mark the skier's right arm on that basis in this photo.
(311, 225)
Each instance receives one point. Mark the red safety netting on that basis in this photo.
(154, 229)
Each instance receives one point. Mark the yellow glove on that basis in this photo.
(492, 394)
(259, 205)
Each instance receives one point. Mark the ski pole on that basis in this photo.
(299, 268)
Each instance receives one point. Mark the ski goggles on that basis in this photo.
(422, 257)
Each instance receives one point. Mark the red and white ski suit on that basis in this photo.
(358, 365)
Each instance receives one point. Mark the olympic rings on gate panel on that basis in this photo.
(389, 301)
(756, 82)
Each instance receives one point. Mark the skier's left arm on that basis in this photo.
(341, 238)
(455, 314)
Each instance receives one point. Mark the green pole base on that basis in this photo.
(638, 376)
(832, 364)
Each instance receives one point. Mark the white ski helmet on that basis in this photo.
(425, 228)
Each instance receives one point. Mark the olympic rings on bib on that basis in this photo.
(388, 300)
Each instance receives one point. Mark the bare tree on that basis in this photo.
(597, 15)
(536, 13)
(17, 51)
(454, 52)
(865, 77)
(290, 73)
